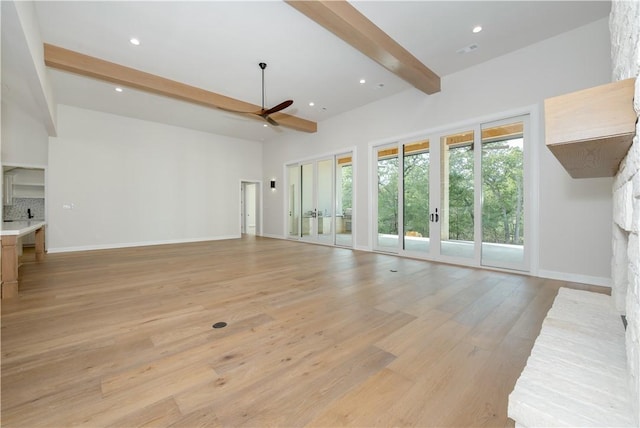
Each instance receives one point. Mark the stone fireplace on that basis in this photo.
(625, 56)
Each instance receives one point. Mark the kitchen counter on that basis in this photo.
(9, 235)
(20, 227)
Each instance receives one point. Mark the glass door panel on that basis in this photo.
(457, 195)
(293, 222)
(309, 211)
(503, 222)
(462, 197)
(344, 200)
(324, 189)
(387, 199)
(416, 159)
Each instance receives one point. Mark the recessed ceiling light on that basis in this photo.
(477, 29)
(312, 104)
(265, 125)
(118, 89)
(362, 81)
(134, 41)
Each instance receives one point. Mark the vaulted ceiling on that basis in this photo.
(217, 45)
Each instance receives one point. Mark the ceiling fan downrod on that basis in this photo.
(262, 67)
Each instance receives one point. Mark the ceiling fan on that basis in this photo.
(266, 113)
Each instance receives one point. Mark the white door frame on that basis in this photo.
(531, 183)
(258, 206)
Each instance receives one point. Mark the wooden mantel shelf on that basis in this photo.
(590, 131)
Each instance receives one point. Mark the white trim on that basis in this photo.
(354, 198)
(536, 135)
(372, 199)
(139, 244)
(313, 158)
(260, 190)
(285, 201)
(268, 235)
(521, 111)
(574, 277)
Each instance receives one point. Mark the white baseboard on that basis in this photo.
(362, 248)
(268, 235)
(573, 277)
(137, 244)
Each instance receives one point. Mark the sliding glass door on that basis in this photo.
(324, 201)
(317, 201)
(320, 200)
(388, 165)
(460, 200)
(503, 194)
(415, 191)
(293, 195)
(457, 195)
(344, 200)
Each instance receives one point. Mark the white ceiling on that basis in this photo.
(217, 45)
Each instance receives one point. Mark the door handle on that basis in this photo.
(435, 216)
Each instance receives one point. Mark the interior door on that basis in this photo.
(250, 217)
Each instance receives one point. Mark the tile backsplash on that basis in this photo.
(18, 211)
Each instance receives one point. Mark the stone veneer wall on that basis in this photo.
(625, 55)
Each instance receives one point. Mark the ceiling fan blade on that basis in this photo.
(271, 121)
(283, 105)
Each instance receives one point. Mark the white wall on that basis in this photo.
(23, 63)
(24, 138)
(575, 215)
(133, 182)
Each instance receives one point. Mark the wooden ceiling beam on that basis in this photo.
(346, 22)
(85, 65)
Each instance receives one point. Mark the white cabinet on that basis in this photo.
(28, 190)
(23, 183)
(7, 191)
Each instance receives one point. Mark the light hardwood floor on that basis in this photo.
(316, 336)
